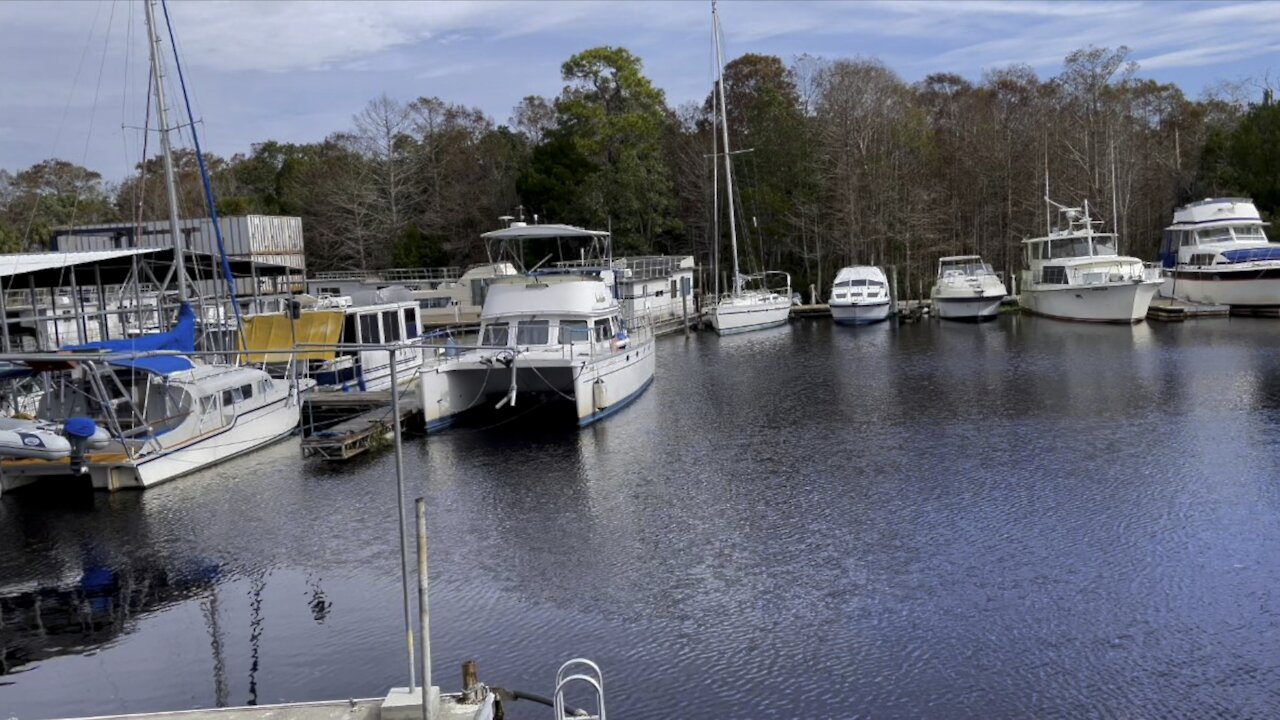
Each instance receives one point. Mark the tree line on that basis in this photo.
(837, 162)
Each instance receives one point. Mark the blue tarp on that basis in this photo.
(182, 338)
(157, 364)
(1252, 254)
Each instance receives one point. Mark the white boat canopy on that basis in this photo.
(519, 232)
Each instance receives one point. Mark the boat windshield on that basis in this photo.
(971, 267)
(1068, 247)
(859, 283)
(494, 335)
(1104, 244)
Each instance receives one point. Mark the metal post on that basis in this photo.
(77, 306)
(684, 305)
(424, 609)
(404, 538)
(4, 320)
(104, 320)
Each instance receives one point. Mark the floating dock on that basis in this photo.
(1170, 310)
(342, 425)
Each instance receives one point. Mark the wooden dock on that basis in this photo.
(342, 425)
(1170, 310)
(820, 310)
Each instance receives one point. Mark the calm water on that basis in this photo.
(1023, 519)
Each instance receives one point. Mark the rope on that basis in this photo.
(93, 109)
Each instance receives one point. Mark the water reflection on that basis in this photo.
(934, 520)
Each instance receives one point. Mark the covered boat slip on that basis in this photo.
(48, 300)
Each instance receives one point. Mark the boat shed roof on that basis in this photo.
(114, 267)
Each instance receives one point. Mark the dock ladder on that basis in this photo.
(590, 675)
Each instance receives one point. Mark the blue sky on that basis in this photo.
(74, 72)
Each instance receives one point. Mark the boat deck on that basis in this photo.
(450, 708)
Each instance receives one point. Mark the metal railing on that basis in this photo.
(392, 274)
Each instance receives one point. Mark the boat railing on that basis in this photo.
(391, 274)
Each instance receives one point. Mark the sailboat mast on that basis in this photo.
(728, 163)
(715, 187)
(166, 151)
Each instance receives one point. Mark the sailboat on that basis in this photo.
(166, 414)
(751, 303)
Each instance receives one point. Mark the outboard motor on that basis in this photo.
(80, 432)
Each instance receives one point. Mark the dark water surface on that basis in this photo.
(1023, 519)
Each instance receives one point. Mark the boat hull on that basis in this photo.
(861, 314)
(108, 470)
(597, 385)
(967, 309)
(1125, 303)
(1252, 287)
(732, 319)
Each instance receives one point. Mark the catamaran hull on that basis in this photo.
(864, 314)
(597, 387)
(1253, 287)
(112, 471)
(731, 320)
(967, 309)
(1110, 303)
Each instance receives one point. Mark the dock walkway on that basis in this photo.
(342, 425)
(1170, 310)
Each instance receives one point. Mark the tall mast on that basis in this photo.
(728, 164)
(162, 116)
(715, 181)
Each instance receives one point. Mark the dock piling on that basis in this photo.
(404, 537)
(424, 608)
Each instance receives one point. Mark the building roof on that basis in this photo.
(115, 267)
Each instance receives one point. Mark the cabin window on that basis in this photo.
(231, 396)
(479, 288)
(1069, 247)
(1202, 259)
(494, 335)
(369, 329)
(349, 329)
(1104, 245)
(390, 326)
(410, 323)
(602, 329)
(533, 332)
(1250, 232)
(1053, 275)
(246, 391)
(572, 331)
(1210, 235)
(434, 303)
(265, 386)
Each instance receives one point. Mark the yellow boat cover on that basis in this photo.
(265, 333)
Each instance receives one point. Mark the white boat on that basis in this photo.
(743, 308)
(1074, 273)
(967, 289)
(326, 322)
(165, 415)
(554, 334)
(860, 296)
(1217, 252)
(444, 296)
